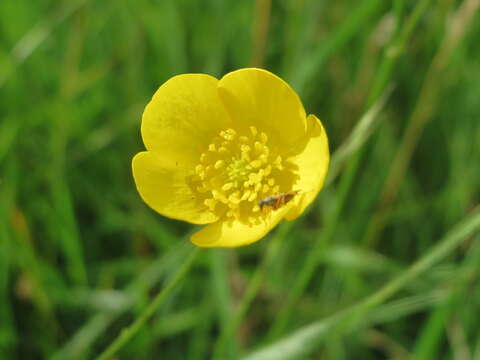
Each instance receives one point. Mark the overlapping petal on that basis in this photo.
(260, 98)
(234, 233)
(163, 187)
(183, 116)
(312, 165)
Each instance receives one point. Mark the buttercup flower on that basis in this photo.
(237, 154)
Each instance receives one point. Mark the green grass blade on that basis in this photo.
(305, 340)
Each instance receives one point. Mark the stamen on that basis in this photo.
(256, 164)
(227, 186)
(210, 203)
(246, 194)
(263, 137)
(236, 172)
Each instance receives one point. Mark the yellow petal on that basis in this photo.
(183, 117)
(163, 187)
(259, 98)
(234, 233)
(312, 165)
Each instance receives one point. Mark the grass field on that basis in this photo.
(384, 265)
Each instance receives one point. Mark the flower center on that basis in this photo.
(237, 171)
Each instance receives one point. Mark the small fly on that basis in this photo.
(277, 201)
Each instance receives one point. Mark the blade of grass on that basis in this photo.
(359, 135)
(221, 290)
(397, 47)
(260, 31)
(344, 33)
(362, 131)
(313, 258)
(82, 340)
(308, 338)
(199, 345)
(32, 40)
(251, 291)
(428, 342)
(128, 333)
(8, 333)
(8, 134)
(421, 114)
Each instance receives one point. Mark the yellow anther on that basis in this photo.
(234, 198)
(230, 134)
(210, 203)
(277, 163)
(256, 164)
(246, 194)
(263, 137)
(236, 171)
(268, 170)
(253, 177)
(217, 195)
(227, 186)
(245, 156)
(245, 148)
(258, 147)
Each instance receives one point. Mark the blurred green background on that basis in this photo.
(81, 255)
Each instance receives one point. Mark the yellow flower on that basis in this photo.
(230, 153)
